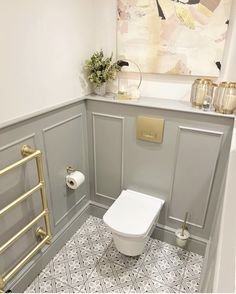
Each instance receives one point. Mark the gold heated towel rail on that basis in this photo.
(42, 237)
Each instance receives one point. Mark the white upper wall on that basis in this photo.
(43, 47)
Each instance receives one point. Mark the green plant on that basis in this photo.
(101, 69)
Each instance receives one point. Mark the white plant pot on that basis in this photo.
(181, 241)
(101, 90)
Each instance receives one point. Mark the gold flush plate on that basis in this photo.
(150, 129)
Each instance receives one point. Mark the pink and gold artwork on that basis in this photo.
(185, 37)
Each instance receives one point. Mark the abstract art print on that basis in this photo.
(185, 37)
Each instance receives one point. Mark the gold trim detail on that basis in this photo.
(228, 85)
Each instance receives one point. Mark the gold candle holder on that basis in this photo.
(202, 93)
(225, 98)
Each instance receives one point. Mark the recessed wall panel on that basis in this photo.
(108, 154)
(64, 145)
(196, 158)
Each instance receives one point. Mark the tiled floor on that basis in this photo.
(89, 262)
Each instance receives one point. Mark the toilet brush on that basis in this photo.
(184, 226)
(182, 234)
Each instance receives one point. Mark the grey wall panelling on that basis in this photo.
(62, 137)
(64, 146)
(197, 153)
(155, 169)
(108, 130)
(99, 139)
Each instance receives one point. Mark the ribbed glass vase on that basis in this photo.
(101, 90)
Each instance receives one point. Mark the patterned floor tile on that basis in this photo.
(195, 257)
(90, 263)
(190, 285)
(46, 286)
(79, 277)
(42, 281)
(193, 270)
(192, 274)
(111, 276)
(129, 288)
(146, 285)
(165, 263)
(153, 271)
(126, 261)
(172, 278)
(62, 287)
(116, 290)
(124, 275)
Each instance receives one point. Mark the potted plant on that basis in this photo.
(101, 70)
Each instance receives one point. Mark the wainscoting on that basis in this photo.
(61, 135)
(186, 170)
(99, 138)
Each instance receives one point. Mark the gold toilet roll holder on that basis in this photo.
(70, 170)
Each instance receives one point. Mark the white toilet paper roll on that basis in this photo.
(74, 180)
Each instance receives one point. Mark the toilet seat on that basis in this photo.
(133, 213)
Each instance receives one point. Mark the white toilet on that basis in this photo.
(131, 218)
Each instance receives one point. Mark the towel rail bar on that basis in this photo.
(43, 237)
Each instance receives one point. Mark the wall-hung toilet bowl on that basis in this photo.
(131, 219)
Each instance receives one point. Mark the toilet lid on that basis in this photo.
(133, 213)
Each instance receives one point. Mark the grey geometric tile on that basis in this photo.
(62, 287)
(65, 289)
(110, 282)
(192, 274)
(190, 285)
(98, 248)
(130, 288)
(70, 253)
(165, 264)
(124, 276)
(81, 239)
(64, 278)
(113, 255)
(79, 277)
(195, 257)
(46, 286)
(56, 268)
(126, 287)
(193, 269)
(172, 278)
(104, 268)
(90, 262)
(116, 290)
(43, 282)
(80, 264)
(93, 286)
(80, 289)
(153, 271)
(146, 285)
(44, 275)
